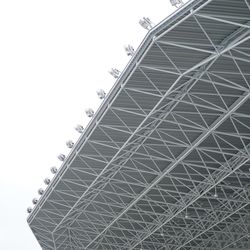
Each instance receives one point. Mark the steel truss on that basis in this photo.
(165, 162)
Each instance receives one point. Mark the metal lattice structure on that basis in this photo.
(164, 162)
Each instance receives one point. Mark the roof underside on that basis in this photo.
(164, 164)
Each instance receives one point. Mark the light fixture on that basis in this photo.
(146, 23)
(34, 201)
(40, 191)
(215, 193)
(61, 157)
(89, 112)
(79, 128)
(101, 93)
(29, 210)
(70, 144)
(47, 180)
(53, 170)
(115, 73)
(129, 50)
(176, 3)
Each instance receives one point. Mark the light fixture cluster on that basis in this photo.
(70, 144)
(89, 112)
(147, 24)
(115, 73)
(79, 128)
(129, 50)
(41, 190)
(101, 93)
(177, 3)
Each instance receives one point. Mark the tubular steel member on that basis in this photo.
(166, 162)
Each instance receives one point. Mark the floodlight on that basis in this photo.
(146, 23)
(176, 3)
(40, 191)
(70, 144)
(29, 210)
(47, 180)
(61, 157)
(53, 170)
(115, 73)
(129, 50)
(215, 193)
(101, 93)
(79, 128)
(34, 201)
(89, 112)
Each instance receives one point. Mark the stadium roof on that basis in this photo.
(164, 163)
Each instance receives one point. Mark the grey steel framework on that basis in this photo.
(164, 163)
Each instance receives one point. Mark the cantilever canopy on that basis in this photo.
(164, 163)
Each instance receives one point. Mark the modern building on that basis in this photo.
(164, 163)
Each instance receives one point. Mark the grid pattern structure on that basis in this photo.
(164, 163)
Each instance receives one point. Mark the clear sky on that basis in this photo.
(54, 55)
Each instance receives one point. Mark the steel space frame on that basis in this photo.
(164, 164)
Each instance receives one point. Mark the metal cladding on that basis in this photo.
(173, 132)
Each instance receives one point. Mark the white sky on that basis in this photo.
(54, 55)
